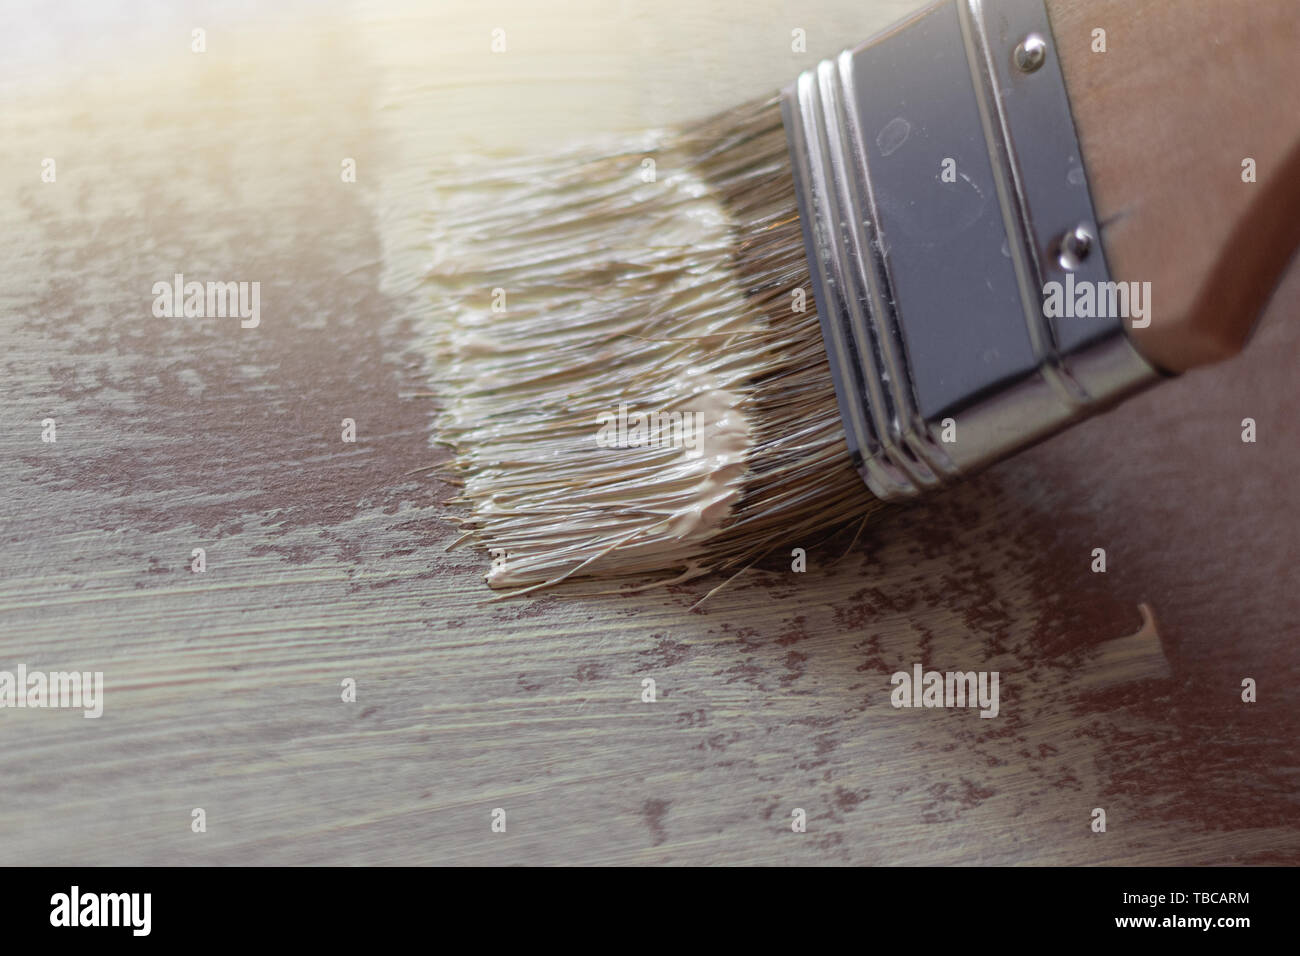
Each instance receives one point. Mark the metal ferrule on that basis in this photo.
(940, 187)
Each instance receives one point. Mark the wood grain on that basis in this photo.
(327, 560)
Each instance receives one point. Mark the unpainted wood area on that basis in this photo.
(327, 561)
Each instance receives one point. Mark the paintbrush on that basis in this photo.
(672, 354)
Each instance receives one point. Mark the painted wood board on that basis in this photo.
(327, 560)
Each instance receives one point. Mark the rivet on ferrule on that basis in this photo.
(1030, 53)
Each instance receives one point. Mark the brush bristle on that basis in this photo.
(659, 274)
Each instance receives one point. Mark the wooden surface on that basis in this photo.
(327, 560)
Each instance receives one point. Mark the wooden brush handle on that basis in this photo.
(1185, 92)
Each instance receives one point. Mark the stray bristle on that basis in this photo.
(655, 285)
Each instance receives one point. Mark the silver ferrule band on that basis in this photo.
(941, 190)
